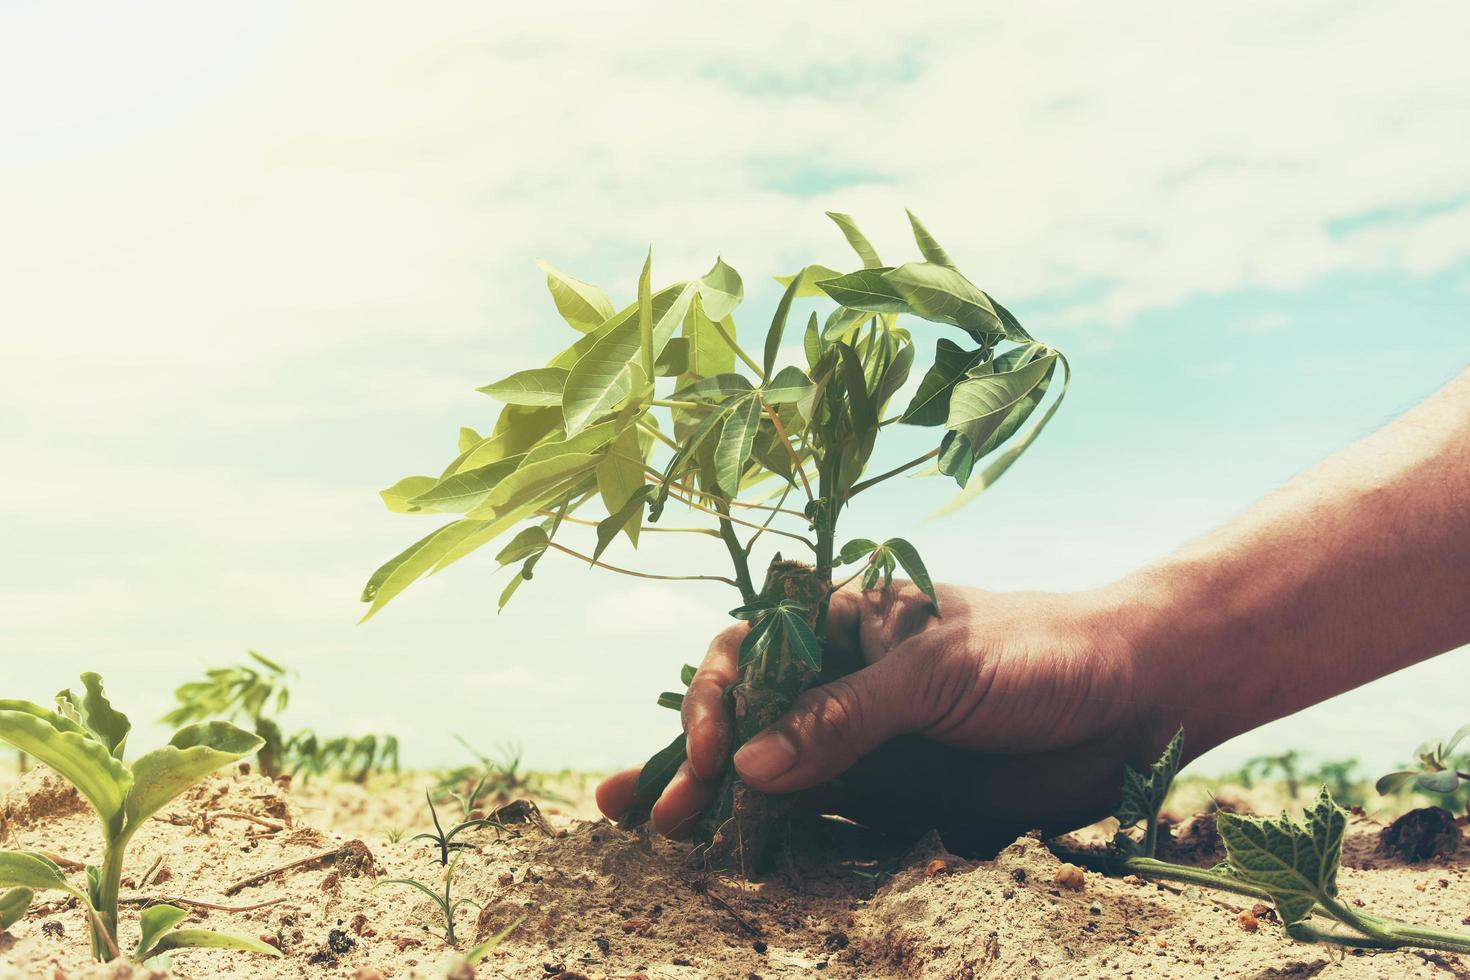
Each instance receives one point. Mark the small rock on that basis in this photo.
(938, 866)
(1248, 921)
(1070, 877)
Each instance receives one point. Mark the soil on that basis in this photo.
(596, 901)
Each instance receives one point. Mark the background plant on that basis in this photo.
(83, 742)
(254, 692)
(1436, 771)
(445, 902)
(660, 404)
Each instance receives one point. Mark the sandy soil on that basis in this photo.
(600, 902)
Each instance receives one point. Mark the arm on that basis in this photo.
(1353, 570)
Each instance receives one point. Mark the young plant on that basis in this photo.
(660, 404)
(1292, 864)
(445, 840)
(1143, 797)
(82, 741)
(446, 903)
(254, 692)
(1435, 772)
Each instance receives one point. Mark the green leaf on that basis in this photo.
(801, 642)
(1144, 793)
(867, 291)
(1015, 333)
(853, 550)
(778, 327)
(72, 752)
(671, 699)
(658, 771)
(810, 278)
(518, 429)
(686, 674)
(1395, 781)
(856, 239)
(509, 590)
(720, 290)
(913, 565)
(25, 869)
(461, 491)
(538, 386)
(530, 541)
(737, 439)
(600, 381)
(403, 569)
(673, 360)
(478, 952)
(209, 939)
(645, 319)
(788, 386)
(468, 439)
(709, 352)
(620, 477)
(939, 293)
(532, 484)
(811, 342)
(1444, 781)
(982, 403)
(930, 404)
(1003, 462)
(109, 725)
(716, 388)
(928, 247)
(398, 496)
(153, 922)
(757, 641)
(625, 516)
(13, 906)
(589, 440)
(193, 753)
(581, 304)
(1295, 862)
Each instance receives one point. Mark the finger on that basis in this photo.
(683, 800)
(704, 714)
(829, 729)
(617, 794)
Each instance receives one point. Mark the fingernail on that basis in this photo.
(766, 756)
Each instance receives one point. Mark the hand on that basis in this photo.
(1012, 712)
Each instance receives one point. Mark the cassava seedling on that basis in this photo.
(445, 840)
(1292, 864)
(446, 903)
(253, 692)
(659, 404)
(1436, 773)
(83, 741)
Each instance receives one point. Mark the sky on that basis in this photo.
(255, 260)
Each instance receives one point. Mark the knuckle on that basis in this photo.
(835, 712)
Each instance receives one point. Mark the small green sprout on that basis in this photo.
(446, 903)
(443, 839)
(1143, 797)
(1435, 773)
(82, 741)
(479, 951)
(252, 692)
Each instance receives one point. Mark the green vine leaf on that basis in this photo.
(1295, 862)
(1144, 792)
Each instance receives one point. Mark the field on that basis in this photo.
(595, 900)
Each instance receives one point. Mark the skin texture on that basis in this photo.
(1019, 710)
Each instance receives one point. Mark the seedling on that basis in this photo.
(446, 904)
(82, 741)
(660, 404)
(1285, 766)
(1292, 864)
(352, 758)
(443, 839)
(1435, 772)
(254, 692)
(479, 951)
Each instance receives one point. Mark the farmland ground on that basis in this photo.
(598, 901)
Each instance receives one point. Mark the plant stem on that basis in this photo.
(649, 575)
(739, 351)
(107, 897)
(737, 553)
(766, 523)
(710, 532)
(674, 403)
(786, 442)
(723, 513)
(859, 488)
(654, 431)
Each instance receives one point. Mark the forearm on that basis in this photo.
(1355, 569)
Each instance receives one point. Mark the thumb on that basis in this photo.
(827, 730)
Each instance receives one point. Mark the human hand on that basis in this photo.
(1013, 711)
